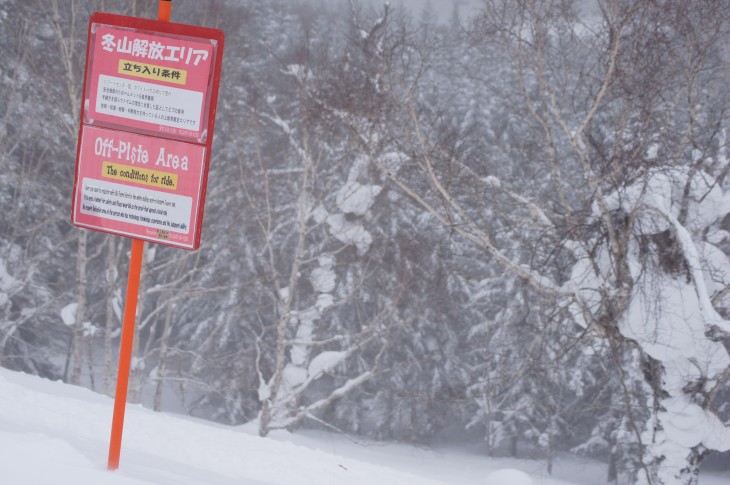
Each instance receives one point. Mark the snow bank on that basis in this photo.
(55, 433)
(508, 476)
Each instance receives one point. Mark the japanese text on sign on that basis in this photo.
(152, 49)
(150, 83)
(141, 101)
(150, 71)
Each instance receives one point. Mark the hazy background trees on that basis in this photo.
(415, 228)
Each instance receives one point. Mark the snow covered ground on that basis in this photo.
(54, 433)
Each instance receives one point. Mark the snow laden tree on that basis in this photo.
(309, 198)
(40, 67)
(14, 271)
(314, 276)
(407, 398)
(311, 272)
(612, 199)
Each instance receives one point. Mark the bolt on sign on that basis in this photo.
(147, 117)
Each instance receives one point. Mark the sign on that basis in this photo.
(139, 186)
(149, 100)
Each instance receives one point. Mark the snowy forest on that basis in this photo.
(511, 227)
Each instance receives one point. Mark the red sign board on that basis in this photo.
(149, 100)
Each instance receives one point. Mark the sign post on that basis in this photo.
(125, 353)
(147, 119)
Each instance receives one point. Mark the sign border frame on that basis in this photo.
(169, 28)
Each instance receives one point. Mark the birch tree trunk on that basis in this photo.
(112, 309)
(78, 340)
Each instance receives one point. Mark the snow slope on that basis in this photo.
(54, 433)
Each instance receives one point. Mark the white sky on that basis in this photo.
(443, 7)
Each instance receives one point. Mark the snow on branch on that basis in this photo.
(535, 211)
(467, 227)
(694, 263)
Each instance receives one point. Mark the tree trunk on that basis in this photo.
(488, 438)
(550, 456)
(690, 475)
(265, 419)
(612, 475)
(135, 379)
(110, 317)
(162, 363)
(78, 329)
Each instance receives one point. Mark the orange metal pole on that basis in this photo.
(125, 353)
(130, 313)
(163, 10)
